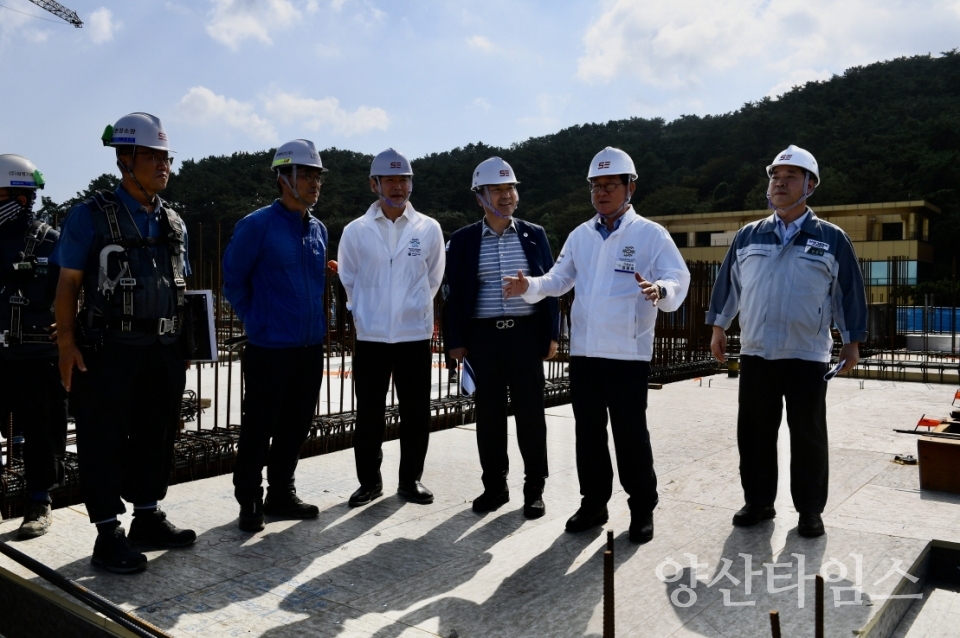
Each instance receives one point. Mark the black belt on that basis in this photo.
(160, 326)
(504, 323)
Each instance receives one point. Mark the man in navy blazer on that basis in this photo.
(505, 341)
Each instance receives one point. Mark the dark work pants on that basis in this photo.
(409, 363)
(764, 384)
(597, 386)
(127, 408)
(31, 390)
(281, 388)
(501, 359)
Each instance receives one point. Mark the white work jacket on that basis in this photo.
(610, 317)
(390, 293)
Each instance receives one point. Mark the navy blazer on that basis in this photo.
(463, 261)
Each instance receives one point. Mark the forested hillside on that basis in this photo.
(887, 131)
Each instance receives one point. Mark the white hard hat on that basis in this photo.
(390, 162)
(17, 171)
(493, 171)
(796, 156)
(611, 161)
(137, 129)
(299, 153)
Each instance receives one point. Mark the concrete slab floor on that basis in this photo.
(395, 569)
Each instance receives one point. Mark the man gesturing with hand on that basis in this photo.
(625, 268)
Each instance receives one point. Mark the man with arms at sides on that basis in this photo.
(625, 268)
(29, 377)
(273, 276)
(506, 340)
(121, 358)
(391, 263)
(790, 276)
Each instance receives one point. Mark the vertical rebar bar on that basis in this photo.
(775, 624)
(608, 625)
(818, 631)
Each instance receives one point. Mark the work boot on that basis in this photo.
(251, 516)
(113, 552)
(151, 527)
(36, 521)
(289, 505)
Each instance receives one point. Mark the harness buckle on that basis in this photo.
(166, 326)
(5, 338)
(503, 324)
(17, 300)
(128, 282)
(23, 265)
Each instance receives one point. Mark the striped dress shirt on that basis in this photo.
(500, 256)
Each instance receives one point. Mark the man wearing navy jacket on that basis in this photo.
(505, 340)
(273, 273)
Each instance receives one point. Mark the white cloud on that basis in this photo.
(201, 106)
(233, 21)
(325, 113)
(483, 103)
(681, 45)
(481, 43)
(102, 25)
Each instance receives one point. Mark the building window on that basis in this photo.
(680, 239)
(881, 274)
(892, 231)
(703, 239)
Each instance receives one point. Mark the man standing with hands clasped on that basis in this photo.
(391, 264)
(624, 268)
(790, 276)
(507, 340)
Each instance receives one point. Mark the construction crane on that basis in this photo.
(59, 10)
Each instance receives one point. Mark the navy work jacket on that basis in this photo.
(463, 262)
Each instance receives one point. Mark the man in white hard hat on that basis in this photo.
(273, 274)
(506, 340)
(625, 268)
(29, 378)
(791, 277)
(391, 264)
(121, 357)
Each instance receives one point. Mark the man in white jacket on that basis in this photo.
(624, 268)
(391, 263)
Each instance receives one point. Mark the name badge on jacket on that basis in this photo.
(627, 261)
(414, 250)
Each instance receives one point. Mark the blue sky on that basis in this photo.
(423, 77)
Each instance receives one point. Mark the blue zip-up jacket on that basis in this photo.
(788, 297)
(273, 276)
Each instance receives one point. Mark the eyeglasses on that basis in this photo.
(157, 157)
(311, 177)
(608, 187)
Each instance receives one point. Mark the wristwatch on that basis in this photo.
(661, 292)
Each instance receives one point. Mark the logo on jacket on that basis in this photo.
(414, 249)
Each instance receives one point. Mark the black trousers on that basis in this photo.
(597, 386)
(281, 388)
(127, 409)
(409, 363)
(764, 384)
(509, 359)
(31, 390)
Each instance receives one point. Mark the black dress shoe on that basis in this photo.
(534, 508)
(489, 501)
(251, 516)
(587, 518)
(750, 514)
(810, 525)
(365, 494)
(289, 505)
(415, 492)
(641, 528)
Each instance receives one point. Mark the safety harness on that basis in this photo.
(35, 235)
(109, 204)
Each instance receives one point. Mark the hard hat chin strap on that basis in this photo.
(296, 194)
(486, 203)
(389, 201)
(806, 194)
(129, 170)
(615, 213)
